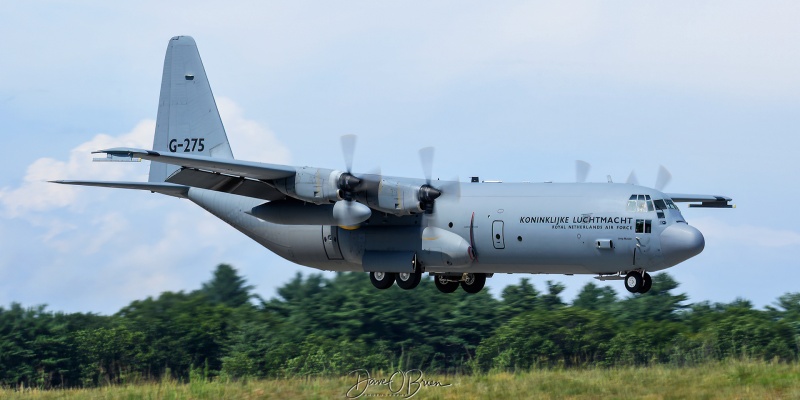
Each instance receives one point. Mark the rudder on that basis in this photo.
(188, 120)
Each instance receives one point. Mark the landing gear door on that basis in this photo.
(497, 235)
(330, 239)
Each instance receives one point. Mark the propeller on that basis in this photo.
(348, 183)
(581, 170)
(347, 211)
(632, 180)
(663, 178)
(427, 193)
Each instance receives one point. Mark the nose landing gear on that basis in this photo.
(638, 282)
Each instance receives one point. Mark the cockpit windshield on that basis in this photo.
(640, 203)
(643, 203)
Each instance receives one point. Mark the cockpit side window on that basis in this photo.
(671, 205)
(660, 204)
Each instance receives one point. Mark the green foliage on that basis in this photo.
(564, 337)
(595, 298)
(227, 287)
(320, 326)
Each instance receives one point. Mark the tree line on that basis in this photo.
(331, 326)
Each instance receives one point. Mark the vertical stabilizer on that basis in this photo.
(188, 121)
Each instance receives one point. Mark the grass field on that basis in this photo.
(729, 380)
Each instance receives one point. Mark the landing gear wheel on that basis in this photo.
(473, 283)
(408, 281)
(633, 281)
(647, 282)
(382, 280)
(445, 285)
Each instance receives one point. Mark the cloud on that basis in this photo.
(745, 234)
(35, 194)
(98, 249)
(250, 140)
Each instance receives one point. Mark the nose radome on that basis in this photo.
(680, 242)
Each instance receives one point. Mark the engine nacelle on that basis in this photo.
(394, 197)
(323, 186)
(313, 185)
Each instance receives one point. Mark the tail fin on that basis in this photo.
(188, 120)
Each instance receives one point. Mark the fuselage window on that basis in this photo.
(644, 225)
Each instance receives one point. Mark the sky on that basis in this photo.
(512, 91)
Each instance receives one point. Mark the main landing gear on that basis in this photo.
(471, 283)
(637, 282)
(385, 280)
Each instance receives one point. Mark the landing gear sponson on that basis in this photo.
(446, 283)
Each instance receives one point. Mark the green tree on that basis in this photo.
(552, 299)
(519, 299)
(567, 336)
(593, 297)
(658, 304)
(227, 287)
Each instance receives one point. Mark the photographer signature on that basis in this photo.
(403, 384)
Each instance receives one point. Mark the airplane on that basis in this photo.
(395, 228)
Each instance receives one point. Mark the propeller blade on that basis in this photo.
(426, 159)
(663, 178)
(581, 171)
(451, 188)
(348, 150)
(632, 180)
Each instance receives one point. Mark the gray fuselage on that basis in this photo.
(568, 228)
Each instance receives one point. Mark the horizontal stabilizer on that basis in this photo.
(169, 189)
(231, 166)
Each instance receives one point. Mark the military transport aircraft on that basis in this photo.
(396, 228)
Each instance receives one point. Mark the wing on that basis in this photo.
(701, 200)
(242, 178)
(247, 169)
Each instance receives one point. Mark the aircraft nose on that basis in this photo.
(680, 242)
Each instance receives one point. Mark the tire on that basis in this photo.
(444, 285)
(382, 280)
(647, 282)
(408, 281)
(633, 281)
(474, 283)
